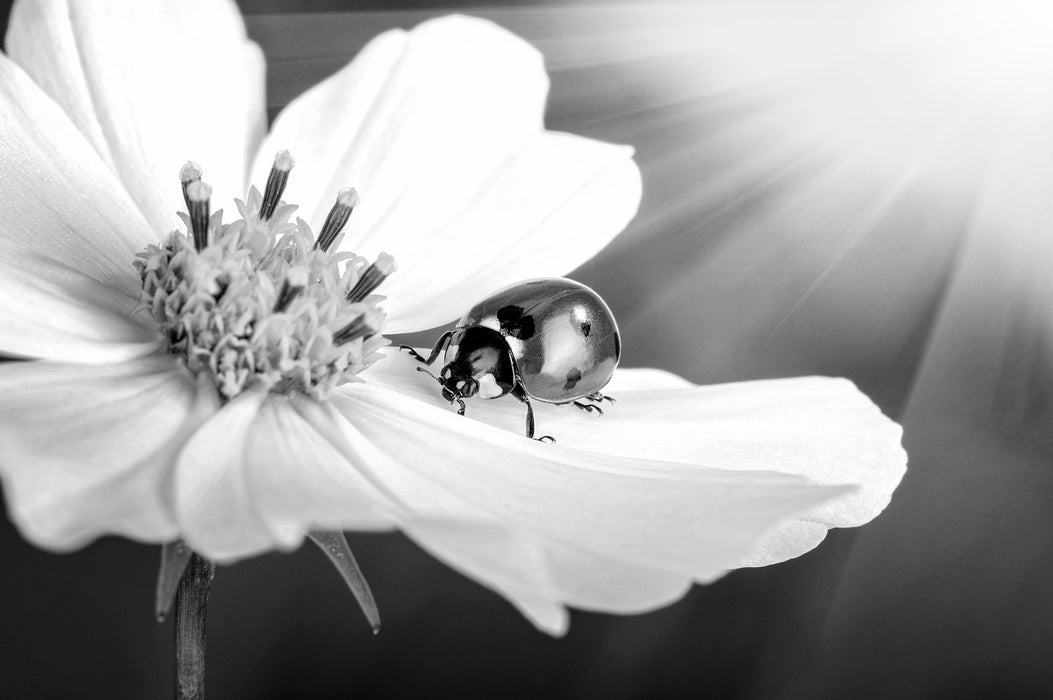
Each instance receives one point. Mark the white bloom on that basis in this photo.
(441, 131)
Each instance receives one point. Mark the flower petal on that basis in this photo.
(510, 562)
(214, 501)
(509, 510)
(309, 483)
(592, 582)
(58, 199)
(440, 129)
(259, 475)
(69, 234)
(87, 449)
(542, 213)
(818, 427)
(419, 118)
(540, 577)
(60, 314)
(150, 84)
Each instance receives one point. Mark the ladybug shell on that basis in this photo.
(561, 333)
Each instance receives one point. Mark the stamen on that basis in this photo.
(256, 303)
(346, 201)
(365, 325)
(190, 172)
(292, 285)
(197, 198)
(372, 278)
(276, 181)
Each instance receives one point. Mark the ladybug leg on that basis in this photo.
(589, 407)
(597, 397)
(520, 393)
(460, 406)
(434, 351)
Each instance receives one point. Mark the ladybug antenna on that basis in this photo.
(421, 369)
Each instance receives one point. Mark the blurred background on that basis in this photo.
(861, 189)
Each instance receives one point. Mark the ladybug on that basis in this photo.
(550, 339)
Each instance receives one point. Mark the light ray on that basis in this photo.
(808, 166)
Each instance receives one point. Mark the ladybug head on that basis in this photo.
(457, 383)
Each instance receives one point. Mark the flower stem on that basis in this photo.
(191, 605)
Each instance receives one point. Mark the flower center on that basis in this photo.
(260, 302)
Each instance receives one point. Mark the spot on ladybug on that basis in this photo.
(514, 323)
(573, 377)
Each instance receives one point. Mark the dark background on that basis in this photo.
(947, 594)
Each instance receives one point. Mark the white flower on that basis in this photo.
(441, 131)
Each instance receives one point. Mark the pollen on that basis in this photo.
(261, 303)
